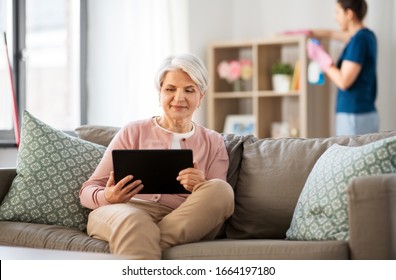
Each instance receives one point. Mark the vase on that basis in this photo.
(237, 85)
(281, 83)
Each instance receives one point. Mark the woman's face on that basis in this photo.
(341, 17)
(180, 96)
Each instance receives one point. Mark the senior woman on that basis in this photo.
(141, 226)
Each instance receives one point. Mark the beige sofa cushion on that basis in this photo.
(262, 249)
(98, 134)
(272, 175)
(234, 144)
(50, 237)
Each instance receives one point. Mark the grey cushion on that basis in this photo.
(234, 144)
(259, 250)
(98, 134)
(272, 175)
(372, 199)
(50, 237)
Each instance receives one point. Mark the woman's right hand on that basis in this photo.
(316, 52)
(123, 191)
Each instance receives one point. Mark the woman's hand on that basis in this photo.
(123, 191)
(317, 53)
(190, 177)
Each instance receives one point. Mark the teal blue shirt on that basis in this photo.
(360, 96)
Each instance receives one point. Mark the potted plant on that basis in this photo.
(281, 76)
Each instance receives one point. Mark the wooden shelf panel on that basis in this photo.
(244, 94)
(270, 93)
(305, 110)
(233, 94)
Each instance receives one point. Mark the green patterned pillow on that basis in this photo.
(322, 212)
(51, 168)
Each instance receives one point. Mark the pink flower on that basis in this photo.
(246, 69)
(235, 71)
(223, 69)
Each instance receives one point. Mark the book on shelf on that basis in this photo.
(295, 84)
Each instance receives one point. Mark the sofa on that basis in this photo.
(268, 176)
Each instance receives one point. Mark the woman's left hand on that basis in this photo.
(190, 177)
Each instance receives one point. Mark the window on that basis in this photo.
(6, 105)
(127, 41)
(52, 59)
(50, 45)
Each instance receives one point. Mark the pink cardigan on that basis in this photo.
(208, 151)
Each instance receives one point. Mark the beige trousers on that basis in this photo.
(142, 230)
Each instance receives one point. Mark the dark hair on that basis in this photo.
(359, 7)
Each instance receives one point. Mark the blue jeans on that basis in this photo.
(356, 124)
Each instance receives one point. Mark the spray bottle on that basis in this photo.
(315, 74)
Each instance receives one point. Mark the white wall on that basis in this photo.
(380, 14)
(263, 18)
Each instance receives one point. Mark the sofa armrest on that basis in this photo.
(6, 177)
(372, 217)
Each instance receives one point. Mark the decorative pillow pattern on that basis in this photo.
(51, 168)
(322, 212)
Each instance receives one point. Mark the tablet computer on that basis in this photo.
(157, 169)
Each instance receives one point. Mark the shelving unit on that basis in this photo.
(306, 110)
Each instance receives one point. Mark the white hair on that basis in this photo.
(188, 63)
